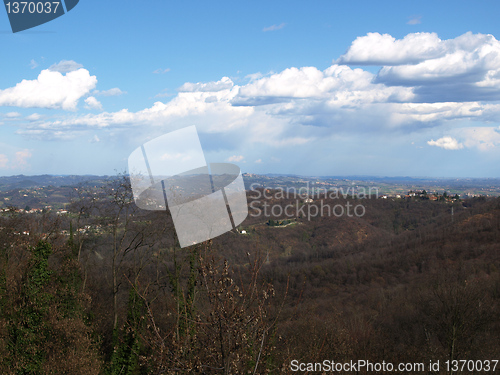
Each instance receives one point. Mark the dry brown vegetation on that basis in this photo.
(405, 283)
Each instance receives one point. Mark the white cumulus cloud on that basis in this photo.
(50, 90)
(224, 84)
(465, 68)
(448, 143)
(340, 85)
(384, 49)
(93, 103)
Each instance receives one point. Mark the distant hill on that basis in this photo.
(22, 181)
(386, 185)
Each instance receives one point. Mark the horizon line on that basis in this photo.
(352, 177)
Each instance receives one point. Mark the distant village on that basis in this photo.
(432, 196)
(28, 210)
(415, 194)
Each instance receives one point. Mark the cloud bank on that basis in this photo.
(423, 83)
(466, 68)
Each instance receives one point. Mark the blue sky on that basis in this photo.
(387, 88)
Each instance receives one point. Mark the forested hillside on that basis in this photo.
(105, 288)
